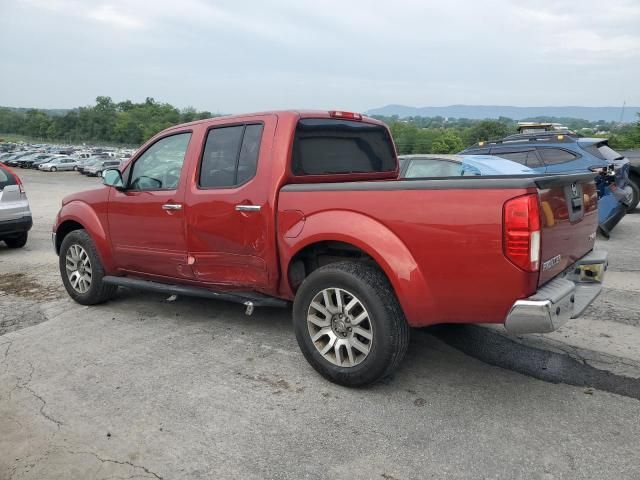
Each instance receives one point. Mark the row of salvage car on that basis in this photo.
(543, 148)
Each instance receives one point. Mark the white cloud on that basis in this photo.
(232, 56)
(109, 15)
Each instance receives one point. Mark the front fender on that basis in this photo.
(380, 243)
(82, 213)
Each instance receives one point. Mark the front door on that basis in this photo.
(146, 220)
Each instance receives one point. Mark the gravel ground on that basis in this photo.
(145, 388)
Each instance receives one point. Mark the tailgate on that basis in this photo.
(13, 203)
(569, 219)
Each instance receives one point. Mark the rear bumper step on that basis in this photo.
(248, 299)
(561, 299)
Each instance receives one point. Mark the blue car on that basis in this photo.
(566, 152)
(434, 166)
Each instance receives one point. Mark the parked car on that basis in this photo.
(18, 159)
(634, 170)
(36, 163)
(96, 168)
(552, 152)
(15, 214)
(429, 166)
(59, 163)
(265, 209)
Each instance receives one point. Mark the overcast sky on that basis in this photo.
(238, 56)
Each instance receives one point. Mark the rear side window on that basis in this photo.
(329, 146)
(603, 151)
(528, 158)
(433, 168)
(6, 178)
(230, 156)
(555, 156)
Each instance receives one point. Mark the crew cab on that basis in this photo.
(307, 207)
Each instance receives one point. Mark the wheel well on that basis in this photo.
(320, 254)
(65, 229)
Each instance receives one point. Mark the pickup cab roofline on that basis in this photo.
(278, 113)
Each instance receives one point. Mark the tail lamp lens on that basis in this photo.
(521, 223)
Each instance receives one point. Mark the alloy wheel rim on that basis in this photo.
(340, 327)
(78, 266)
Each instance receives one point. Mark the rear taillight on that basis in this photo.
(20, 184)
(521, 223)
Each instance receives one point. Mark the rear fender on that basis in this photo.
(82, 213)
(377, 241)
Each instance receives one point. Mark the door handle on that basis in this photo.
(172, 206)
(248, 208)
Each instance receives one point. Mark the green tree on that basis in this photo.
(447, 142)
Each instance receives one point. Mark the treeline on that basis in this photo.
(440, 135)
(133, 123)
(124, 122)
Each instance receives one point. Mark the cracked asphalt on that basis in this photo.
(145, 388)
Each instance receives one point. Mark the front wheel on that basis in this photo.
(53, 169)
(349, 324)
(82, 271)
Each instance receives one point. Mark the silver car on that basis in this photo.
(97, 168)
(59, 164)
(15, 214)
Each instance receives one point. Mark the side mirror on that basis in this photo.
(113, 178)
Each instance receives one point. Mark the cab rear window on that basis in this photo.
(331, 146)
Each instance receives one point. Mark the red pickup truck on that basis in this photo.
(269, 208)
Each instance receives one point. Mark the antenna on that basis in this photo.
(624, 104)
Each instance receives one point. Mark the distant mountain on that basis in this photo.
(54, 112)
(593, 114)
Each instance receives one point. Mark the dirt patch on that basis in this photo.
(21, 285)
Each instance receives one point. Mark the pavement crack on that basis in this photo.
(44, 404)
(25, 386)
(118, 462)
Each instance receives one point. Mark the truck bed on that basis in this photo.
(445, 236)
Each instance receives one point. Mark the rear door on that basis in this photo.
(146, 220)
(229, 221)
(569, 219)
(560, 160)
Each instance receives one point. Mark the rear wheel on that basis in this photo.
(349, 324)
(634, 183)
(17, 241)
(82, 271)
(54, 169)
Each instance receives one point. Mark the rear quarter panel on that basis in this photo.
(441, 249)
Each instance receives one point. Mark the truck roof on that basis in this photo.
(279, 113)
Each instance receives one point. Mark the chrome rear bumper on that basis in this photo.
(561, 299)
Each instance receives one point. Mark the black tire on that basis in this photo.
(75, 169)
(98, 291)
(53, 169)
(375, 293)
(18, 241)
(634, 183)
